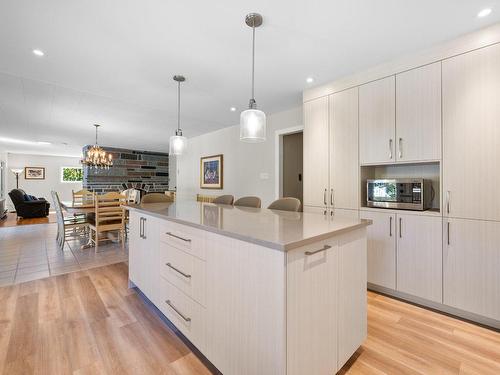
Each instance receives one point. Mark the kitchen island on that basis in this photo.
(257, 291)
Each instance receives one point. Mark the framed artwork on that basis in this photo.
(211, 172)
(34, 173)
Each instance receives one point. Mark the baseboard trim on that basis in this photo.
(438, 307)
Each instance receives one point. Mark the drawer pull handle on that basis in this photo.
(178, 271)
(177, 311)
(178, 237)
(326, 247)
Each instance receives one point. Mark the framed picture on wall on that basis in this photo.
(211, 172)
(34, 173)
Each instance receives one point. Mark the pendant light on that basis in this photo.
(252, 120)
(178, 142)
(96, 157)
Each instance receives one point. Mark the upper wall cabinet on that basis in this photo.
(316, 148)
(377, 117)
(471, 134)
(418, 114)
(344, 167)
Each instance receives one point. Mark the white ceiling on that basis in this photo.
(112, 61)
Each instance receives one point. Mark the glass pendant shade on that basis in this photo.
(178, 144)
(252, 126)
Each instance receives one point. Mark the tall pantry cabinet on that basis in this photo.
(471, 177)
(331, 169)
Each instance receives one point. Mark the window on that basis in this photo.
(71, 174)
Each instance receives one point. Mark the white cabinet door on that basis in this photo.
(352, 324)
(471, 264)
(135, 255)
(377, 121)
(381, 248)
(312, 287)
(344, 167)
(419, 256)
(418, 114)
(316, 152)
(471, 134)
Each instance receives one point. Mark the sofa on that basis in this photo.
(28, 206)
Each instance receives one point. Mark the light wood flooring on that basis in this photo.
(12, 221)
(89, 322)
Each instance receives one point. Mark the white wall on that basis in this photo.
(246, 165)
(3, 183)
(42, 188)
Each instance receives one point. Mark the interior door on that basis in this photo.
(316, 150)
(377, 121)
(292, 165)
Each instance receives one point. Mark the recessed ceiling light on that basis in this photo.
(43, 143)
(310, 80)
(233, 109)
(483, 13)
(38, 52)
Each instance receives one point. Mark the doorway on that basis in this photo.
(290, 162)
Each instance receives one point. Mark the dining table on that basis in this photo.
(82, 208)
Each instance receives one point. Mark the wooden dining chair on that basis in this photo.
(248, 202)
(83, 197)
(285, 204)
(109, 217)
(68, 227)
(205, 198)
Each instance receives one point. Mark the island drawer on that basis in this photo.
(185, 271)
(183, 237)
(187, 315)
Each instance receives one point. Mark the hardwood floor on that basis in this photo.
(12, 221)
(89, 322)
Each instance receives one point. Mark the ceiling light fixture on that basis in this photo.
(38, 52)
(485, 12)
(233, 109)
(178, 142)
(44, 143)
(252, 120)
(96, 157)
(310, 80)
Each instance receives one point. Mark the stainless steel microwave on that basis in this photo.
(400, 193)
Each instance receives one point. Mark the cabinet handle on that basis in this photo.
(400, 225)
(178, 271)
(141, 228)
(390, 226)
(448, 232)
(390, 148)
(331, 197)
(144, 228)
(400, 146)
(324, 197)
(177, 311)
(178, 237)
(326, 247)
(448, 201)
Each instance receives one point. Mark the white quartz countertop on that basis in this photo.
(279, 230)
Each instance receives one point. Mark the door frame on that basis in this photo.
(278, 156)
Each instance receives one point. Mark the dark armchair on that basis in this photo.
(28, 206)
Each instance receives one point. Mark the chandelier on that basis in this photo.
(96, 157)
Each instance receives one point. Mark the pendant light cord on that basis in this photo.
(96, 127)
(253, 62)
(178, 105)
